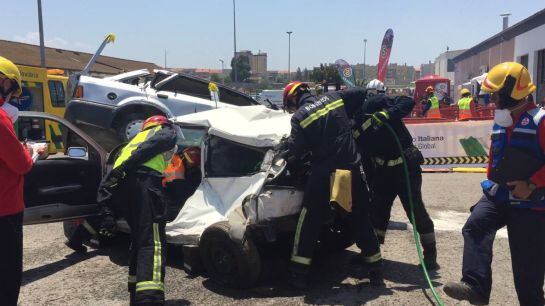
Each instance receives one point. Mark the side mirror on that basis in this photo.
(77, 152)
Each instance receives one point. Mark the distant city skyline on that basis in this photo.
(199, 34)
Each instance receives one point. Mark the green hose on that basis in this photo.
(411, 204)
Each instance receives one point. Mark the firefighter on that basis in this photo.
(464, 105)
(387, 172)
(519, 204)
(137, 177)
(431, 105)
(15, 162)
(181, 178)
(321, 125)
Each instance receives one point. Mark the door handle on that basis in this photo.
(162, 96)
(54, 190)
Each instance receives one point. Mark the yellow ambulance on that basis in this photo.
(44, 90)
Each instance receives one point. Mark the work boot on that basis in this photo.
(376, 277)
(463, 292)
(298, 276)
(430, 251)
(430, 259)
(76, 246)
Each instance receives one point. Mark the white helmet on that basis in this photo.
(376, 85)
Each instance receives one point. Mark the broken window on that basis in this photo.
(230, 159)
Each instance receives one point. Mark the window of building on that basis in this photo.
(524, 60)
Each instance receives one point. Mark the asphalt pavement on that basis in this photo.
(53, 275)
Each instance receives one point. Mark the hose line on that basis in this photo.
(411, 205)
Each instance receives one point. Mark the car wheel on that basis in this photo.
(337, 236)
(70, 226)
(131, 125)
(229, 262)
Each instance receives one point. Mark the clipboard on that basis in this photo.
(514, 166)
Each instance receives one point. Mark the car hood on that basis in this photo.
(255, 126)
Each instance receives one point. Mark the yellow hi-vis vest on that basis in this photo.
(157, 163)
(464, 107)
(434, 102)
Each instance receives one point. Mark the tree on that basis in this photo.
(306, 75)
(299, 74)
(216, 78)
(243, 68)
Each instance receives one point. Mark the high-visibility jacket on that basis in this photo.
(174, 171)
(464, 107)
(158, 162)
(433, 112)
(523, 137)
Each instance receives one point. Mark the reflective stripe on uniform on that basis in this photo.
(380, 233)
(297, 236)
(156, 253)
(302, 260)
(526, 131)
(150, 285)
(356, 134)
(321, 112)
(389, 163)
(372, 258)
(367, 124)
(132, 279)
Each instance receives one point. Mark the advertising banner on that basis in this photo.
(345, 72)
(384, 56)
(453, 143)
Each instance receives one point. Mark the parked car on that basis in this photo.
(247, 196)
(112, 109)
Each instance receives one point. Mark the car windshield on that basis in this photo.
(192, 137)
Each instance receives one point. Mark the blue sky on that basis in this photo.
(199, 33)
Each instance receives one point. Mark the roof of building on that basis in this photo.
(29, 55)
(521, 27)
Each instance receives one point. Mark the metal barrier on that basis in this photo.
(450, 114)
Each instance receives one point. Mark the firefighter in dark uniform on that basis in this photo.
(518, 204)
(136, 177)
(321, 125)
(387, 172)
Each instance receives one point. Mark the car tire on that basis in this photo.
(69, 226)
(229, 262)
(131, 124)
(338, 236)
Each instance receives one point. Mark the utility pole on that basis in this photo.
(289, 54)
(235, 44)
(364, 56)
(41, 26)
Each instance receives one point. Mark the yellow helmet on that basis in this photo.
(11, 71)
(511, 78)
(464, 91)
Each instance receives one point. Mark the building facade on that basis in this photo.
(258, 62)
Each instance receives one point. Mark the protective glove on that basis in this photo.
(107, 226)
(113, 178)
(379, 118)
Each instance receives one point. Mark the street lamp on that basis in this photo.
(289, 54)
(235, 43)
(41, 29)
(222, 71)
(364, 55)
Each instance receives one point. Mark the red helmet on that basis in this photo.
(430, 89)
(192, 156)
(154, 121)
(291, 90)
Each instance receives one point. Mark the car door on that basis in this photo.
(63, 185)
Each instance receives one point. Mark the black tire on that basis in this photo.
(69, 226)
(337, 236)
(129, 120)
(231, 263)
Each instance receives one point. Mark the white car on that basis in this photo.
(112, 109)
(246, 198)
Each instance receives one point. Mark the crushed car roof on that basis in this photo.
(255, 126)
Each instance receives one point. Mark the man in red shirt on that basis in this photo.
(15, 161)
(519, 204)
